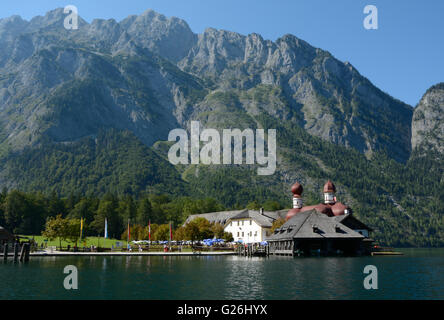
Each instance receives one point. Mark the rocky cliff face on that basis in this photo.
(327, 97)
(149, 74)
(428, 120)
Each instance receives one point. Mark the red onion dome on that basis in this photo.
(325, 209)
(321, 208)
(339, 209)
(329, 187)
(297, 190)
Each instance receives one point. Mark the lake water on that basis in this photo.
(419, 274)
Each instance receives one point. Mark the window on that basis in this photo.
(238, 234)
(242, 234)
(238, 223)
(242, 222)
(251, 222)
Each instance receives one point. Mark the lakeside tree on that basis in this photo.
(24, 213)
(73, 230)
(85, 208)
(144, 211)
(127, 209)
(162, 233)
(108, 209)
(179, 234)
(218, 230)
(228, 237)
(198, 229)
(63, 229)
(201, 228)
(191, 232)
(277, 224)
(55, 228)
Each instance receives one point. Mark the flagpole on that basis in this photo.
(171, 234)
(105, 235)
(81, 230)
(127, 242)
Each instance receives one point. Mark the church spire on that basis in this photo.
(297, 190)
(329, 193)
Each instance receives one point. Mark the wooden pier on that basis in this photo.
(253, 250)
(20, 250)
(17, 251)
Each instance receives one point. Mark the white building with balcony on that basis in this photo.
(249, 226)
(246, 226)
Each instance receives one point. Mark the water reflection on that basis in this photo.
(189, 278)
(245, 279)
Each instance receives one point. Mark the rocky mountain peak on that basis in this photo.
(428, 120)
(52, 20)
(171, 38)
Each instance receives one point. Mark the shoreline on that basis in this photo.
(112, 254)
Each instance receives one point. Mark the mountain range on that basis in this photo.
(89, 111)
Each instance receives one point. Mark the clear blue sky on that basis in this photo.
(404, 57)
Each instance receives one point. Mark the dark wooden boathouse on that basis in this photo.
(328, 228)
(18, 250)
(312, 232)
(5, 236)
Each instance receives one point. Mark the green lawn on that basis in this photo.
(95, 241)
(90, 241)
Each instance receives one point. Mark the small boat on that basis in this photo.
(380, 251)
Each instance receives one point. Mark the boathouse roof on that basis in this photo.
(313, 225)
(352, 222)
(5, 234)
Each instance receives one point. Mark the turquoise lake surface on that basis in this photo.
(418, 274)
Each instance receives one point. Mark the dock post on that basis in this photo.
(16, 251)
(27, 251)
(5, 252)
(22, 252)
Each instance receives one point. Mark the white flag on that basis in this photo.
(106, 228)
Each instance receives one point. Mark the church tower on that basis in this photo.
(329, 193)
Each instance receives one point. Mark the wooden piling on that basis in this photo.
(16, 251)
(22, 253)
(5, 252)
(27, 251)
